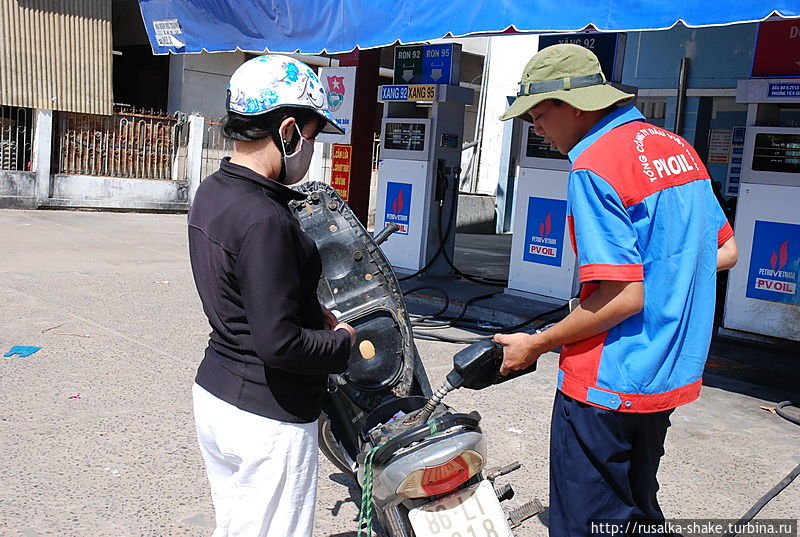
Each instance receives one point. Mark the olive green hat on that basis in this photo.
(569, 73)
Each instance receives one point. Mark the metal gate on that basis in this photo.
(133, 144)
(215, 146)
(16, 138)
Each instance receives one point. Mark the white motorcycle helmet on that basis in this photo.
(273, 81)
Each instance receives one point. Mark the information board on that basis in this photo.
(735, 161)
(719, 146)
(404, 136)
(777, 51)
(399, 92)
(340, 169)
(791, 89)
(340, 87)
(536, 147)
(427, 64)
(775, 152)
(608, 47)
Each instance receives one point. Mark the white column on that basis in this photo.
(42, 150)
(316, 169)
(508, 56)
(194, 154)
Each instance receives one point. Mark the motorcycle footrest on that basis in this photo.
(504, 492)
(524, 512)
(496, 471)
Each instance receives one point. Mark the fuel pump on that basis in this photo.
(542, 262)
(762, 295)
(421, 134)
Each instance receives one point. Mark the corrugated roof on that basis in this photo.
(56, 54)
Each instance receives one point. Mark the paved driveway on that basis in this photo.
(96, 432)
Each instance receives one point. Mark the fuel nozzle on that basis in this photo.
(476, 367)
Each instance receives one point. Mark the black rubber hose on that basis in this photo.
(441, 243)
(448, 339)
(759, 505)
(441, 250)
(777, 489)
(435, 288)
(544, 317)
(561, 309)
(442, 238)
(779, 411)
(439, 321)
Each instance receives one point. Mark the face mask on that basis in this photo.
(296, 165)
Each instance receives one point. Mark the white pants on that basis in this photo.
(262, 472)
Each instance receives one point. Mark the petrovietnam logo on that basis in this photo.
(336, 91)
(775, 278)
(543, 244)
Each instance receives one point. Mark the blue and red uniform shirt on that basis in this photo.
(641, 208)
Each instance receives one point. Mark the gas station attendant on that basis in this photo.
(649, 236)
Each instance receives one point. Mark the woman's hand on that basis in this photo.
(330, 319)
(350, 329)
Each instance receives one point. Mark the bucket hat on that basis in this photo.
(272, 81)
(569, 73)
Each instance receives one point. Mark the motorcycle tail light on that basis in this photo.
(443, 478)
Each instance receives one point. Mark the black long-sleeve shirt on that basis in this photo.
(257, 273)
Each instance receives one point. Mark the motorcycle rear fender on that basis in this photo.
(433, 452)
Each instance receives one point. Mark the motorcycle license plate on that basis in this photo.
(472, 512)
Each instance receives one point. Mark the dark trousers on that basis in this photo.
(603, 467)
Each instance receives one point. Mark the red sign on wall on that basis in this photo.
(340, 173)
(777, 49)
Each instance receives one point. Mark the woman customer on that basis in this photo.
(259, 388)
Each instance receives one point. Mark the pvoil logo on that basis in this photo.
(543, 244)
(774, 262)
(775, 278)
(544, 231)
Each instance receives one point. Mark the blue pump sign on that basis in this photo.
(544, 231)
(398, 206)
(775, 263)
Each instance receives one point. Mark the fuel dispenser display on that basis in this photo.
(421, 134)
(762, 295)
(542, 260)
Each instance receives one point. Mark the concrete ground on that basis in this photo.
(96, 431)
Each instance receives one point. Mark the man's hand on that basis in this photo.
(330, 319)
(519, 350)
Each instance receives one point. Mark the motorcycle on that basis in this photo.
(421, 465)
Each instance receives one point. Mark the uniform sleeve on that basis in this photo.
(603, 234)
(718, 218)
(269, 278)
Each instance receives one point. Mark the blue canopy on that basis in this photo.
(313, 26)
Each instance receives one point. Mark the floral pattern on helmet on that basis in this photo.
(271, 81)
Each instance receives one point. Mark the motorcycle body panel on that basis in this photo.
(374, 401)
